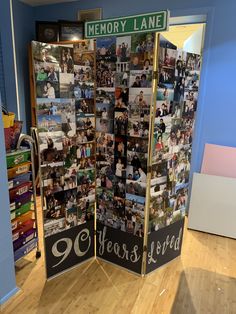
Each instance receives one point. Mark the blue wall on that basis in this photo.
(7, 271)
(217, 102)
(24, 33)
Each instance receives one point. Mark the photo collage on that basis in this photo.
(124, 68)
(176, 106)
(65, 110)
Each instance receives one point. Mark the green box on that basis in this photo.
(18, 157)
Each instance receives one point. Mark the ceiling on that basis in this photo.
(44, 2)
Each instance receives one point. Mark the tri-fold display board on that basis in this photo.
(116, 136)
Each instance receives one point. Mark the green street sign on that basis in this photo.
(149, 22)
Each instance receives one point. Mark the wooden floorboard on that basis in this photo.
(201, 281)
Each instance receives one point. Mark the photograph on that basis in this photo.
(193, 62)
(120, 167)
(84, 90)
(84, 106)
(69, 151)
(51, 148)
(165, 94)
(85, 136)
(48, 89)
(180, 65)
(45, 71)
(159, 173)
(122, 79)
(104, 195)
(136, 174)
(137, 145)
(105, 111)
(136, 187)
(104, 125)
(51, 123)
(83, 46)
(48, 107)
(138, 128)
(86, 163)
(120, 146)
(53, 226)
(84, 58)
(103, 161)
(105, 143)
(105, 95)
(105, 179)
(179, 89)
(166, 77)
(121, 97)
(86, 208)
(90, 14)
(140, 79)
(85, 123)
(66, 85)
(135, 162)
(52, 177)
(119, 187)
(121, 122)
(47, 32)
(142, 42)
(85, 150)
(136, 61)
(83, 74)
(134, 220)
(45, 52)
(192, 81)
(105, 73)
(167, 57)
(123, 48)
(66, 60)
(86, 177)
(67, 112)
(163, 108)
(71, 31)
(106, 48)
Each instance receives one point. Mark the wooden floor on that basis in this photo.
(202, 280)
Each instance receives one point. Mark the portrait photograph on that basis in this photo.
(83, 74)
(136, 187)
(123, 48)
(85, 150)
(66, 85)
(105, 73)
(120, 146)
(67, 112)
(137, 145)
(165, 94)
(136, 128)
(120, 167)
(84, 90)
(166, 77)
(45, 71)
(140, 79)
(84, 107)
(66, 60)
(85, 136)
(121, 122)
(119, 187)
(106, 48)
(47, 89)
(121, 97)
(105, 143)
(122, 79)
(142, 42)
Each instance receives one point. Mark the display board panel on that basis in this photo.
(124, 70)
(176, 104)
(65, 115)
(164, 245)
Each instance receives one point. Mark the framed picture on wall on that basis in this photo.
(47, 31)
(71, 31)
(90, 15)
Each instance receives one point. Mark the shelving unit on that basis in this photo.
(21, 184)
